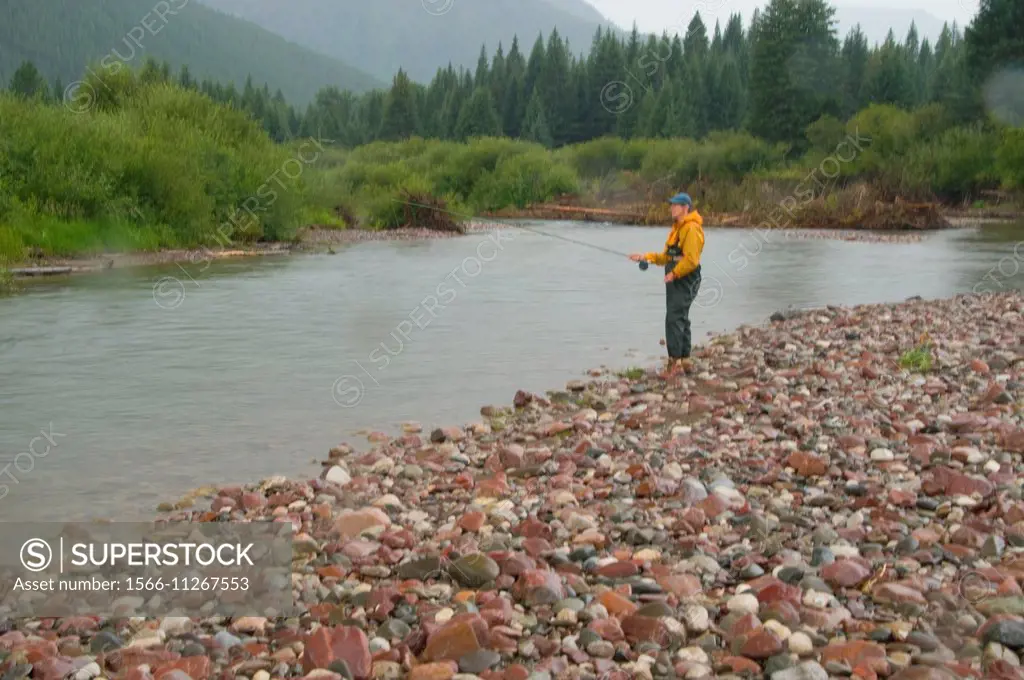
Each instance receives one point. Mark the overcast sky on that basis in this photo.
(659, 15)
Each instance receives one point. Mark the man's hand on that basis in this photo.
(636, 257)
(670, 277)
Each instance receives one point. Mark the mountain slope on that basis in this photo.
(417, 35)
(62, 36)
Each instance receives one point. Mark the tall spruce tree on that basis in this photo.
(400, 118)
(478, 117)
(793, 69)
(28, 83)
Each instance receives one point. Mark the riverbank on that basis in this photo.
(802, 506)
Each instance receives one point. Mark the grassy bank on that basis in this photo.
(148, 166)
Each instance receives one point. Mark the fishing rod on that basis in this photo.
(643, 264)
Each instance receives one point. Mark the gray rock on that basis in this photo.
(809, 670)
(1007, 633)
(474, 570)
(479, 661)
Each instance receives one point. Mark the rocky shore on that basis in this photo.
(799, 508)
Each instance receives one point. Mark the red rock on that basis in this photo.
(442, 670)
(1013, 441)
(619, 570)
(807, 464)
(130, 657)
(197, 667)
(346, 643)
(845, 573)
(743, 625)
(979, 366)
(539, 586)
(252, 500)
(12, 639)
(777, 591)
(681, 585)
(452, 642)
(761, 644)
(856, 653)
(532, 527)
(472, 520)
(535, 547)
(785, 613)
(645, 629)
(902, 498)
(713, 506)
(739, 664)
(897, 593)
(53, 668)
(138, 673)
(609, 629)
(848, 442)
(616, 604)
(351, 523)
(38, 649)
(494, 487)
(516, 671)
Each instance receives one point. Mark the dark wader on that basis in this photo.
(679, 295)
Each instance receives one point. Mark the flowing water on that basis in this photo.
(128, 388)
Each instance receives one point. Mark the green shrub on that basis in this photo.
(1010, 158)
(523, 179)
(598, 157)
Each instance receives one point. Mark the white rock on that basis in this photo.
(693, 655)
(388, 500)
(818, 600)
(743, 604)
(882, 455)
(176, 625)
(445, 615)
(88, 672)
(779, 629)
(800, 644)
(696, 618)
(991, 467)
(338, 475)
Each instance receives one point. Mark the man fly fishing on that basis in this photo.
(681, 259)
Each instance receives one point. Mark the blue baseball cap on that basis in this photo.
(681, 199)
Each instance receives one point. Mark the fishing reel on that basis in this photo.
(644, 265)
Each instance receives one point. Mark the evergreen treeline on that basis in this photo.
(774, 79)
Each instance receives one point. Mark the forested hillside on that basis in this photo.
(416, 35)
(62, 36)
(774, 80)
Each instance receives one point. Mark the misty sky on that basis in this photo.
(659, 15)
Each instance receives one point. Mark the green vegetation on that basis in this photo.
(633, 373)
(919, 359)
(62, 37)
(149, 166)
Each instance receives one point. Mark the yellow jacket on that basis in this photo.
(688, 234)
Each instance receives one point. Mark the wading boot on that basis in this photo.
(673, 367)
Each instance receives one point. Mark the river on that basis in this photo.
(124, 389)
